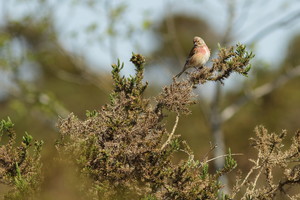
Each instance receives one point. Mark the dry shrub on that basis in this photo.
(124, 151)
(20, 166)
(121, 147)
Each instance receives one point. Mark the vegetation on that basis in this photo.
(20, 166)
(124, 150)
(169, 139)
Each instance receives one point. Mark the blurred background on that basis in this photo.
(55, 58)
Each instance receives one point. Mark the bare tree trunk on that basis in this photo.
(215, 116)
(217, 133)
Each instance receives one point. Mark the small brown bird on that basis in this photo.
(198, 56)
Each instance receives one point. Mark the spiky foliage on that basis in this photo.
(124, 151)
(20, 166)
(229, 60)
(122, 148)
(272, 157)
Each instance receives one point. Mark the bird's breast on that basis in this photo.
(202, 56)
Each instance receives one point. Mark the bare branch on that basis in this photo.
(171, 134)
(256, 178)
(276, 25)
(257, 166)
(222, 156)
(259, 92)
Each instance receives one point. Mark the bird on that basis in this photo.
(198, 56)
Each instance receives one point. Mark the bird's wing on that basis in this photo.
(196, 54)
(192, 52)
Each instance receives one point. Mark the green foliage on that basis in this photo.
(230, 163)
(5, 126)
(204, 171)
(27, 139)
(20, 168)
(175, 144)
(233, 59)
(131, 86)
(92, 113)
(20, 183)
(124, 150)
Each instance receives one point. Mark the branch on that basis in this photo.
(256, 178)
(172, 133)
(271, 28)
(222, 156)
(259, 92)
(257, 166)
(96, 79)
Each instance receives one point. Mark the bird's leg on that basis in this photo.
(177, 76)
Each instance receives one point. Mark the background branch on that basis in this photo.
(259, 92)
(276, 25)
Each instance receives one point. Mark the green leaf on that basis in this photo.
(204, 170)
(6, 125)
(92, 113)
(27, 139)
(230, 163)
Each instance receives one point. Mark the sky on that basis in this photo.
(259, 15)
(73, 19)
(250, 19)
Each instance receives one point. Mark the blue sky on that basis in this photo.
(260, 14)
(72, 20)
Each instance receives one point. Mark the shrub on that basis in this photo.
(20, 166)
(125, 148)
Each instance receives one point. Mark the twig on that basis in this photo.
(171, 134)
(221, 156)
(210, 150)
(246, 178)
(256, 178)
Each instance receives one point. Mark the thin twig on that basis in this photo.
(221, 156)
(212, 147)
(171, 134)
(246, 178)
(256, 178)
